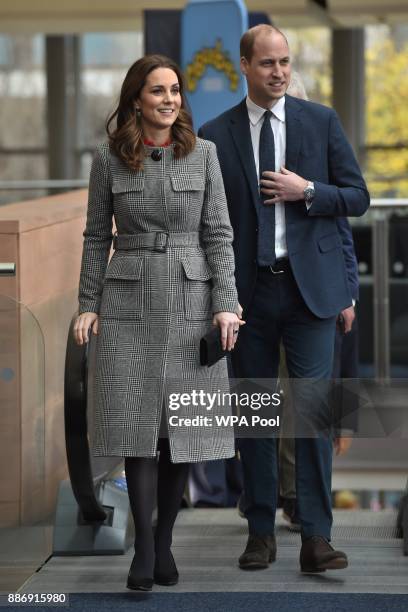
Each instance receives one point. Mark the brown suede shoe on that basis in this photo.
(259, 552)
(316, 555)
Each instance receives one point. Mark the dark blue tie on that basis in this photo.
(266, 213)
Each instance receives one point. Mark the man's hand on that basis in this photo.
(342, 444)
(347, 316)
(282, 186)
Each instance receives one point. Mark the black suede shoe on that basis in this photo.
(168, 578)
(317, 555)
(135, 583)
(260, 551)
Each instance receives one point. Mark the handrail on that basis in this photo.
(7, 268)
(380, 254)
(76, 429)
(79, 183)
(43, 184)
(389, 202)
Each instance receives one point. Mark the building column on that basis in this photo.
(63, 107)
(348, 74)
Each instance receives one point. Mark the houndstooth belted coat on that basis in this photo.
(156, 298)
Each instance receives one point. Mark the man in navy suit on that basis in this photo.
(288, 172)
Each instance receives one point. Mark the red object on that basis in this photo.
(152, 144)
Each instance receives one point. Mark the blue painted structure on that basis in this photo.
(210, 35)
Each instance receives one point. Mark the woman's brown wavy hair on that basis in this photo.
(125, 135)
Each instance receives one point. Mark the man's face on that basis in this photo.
(268, 72)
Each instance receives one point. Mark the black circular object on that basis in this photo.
(156, 155)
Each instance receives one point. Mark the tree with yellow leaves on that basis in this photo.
(387, 119)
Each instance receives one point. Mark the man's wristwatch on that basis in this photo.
(309, 192)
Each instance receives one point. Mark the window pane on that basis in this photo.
(22, 92)
(386, 116)
(105, 60)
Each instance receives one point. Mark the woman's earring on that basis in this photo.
(138, 112)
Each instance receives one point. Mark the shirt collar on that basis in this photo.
(256, 112)
(150, 143)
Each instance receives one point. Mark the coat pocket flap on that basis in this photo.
(133, 184)
(327, 243)
(125, 268)
(196, 268)
(187, 183)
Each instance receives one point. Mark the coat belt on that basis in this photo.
(155, 241)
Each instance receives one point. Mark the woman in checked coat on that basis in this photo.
(170, 278)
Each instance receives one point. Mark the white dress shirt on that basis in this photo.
(278, 125)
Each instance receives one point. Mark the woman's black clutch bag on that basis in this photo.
(211, 349)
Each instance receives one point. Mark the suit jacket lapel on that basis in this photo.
(293, 133)
(293, 143)
(241, 134)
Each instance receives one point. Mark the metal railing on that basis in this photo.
(389, 202)
(380, 258)
(381, 281)
(7, 268)
(43, 184)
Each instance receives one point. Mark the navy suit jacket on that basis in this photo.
(317, 150)
(350, 258)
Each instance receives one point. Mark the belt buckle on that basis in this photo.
(160, 242)
(276, 271)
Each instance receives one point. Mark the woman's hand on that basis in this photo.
(82, 324)
(229, 324)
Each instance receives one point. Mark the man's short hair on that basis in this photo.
(246, 45)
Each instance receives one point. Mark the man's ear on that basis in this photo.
(244, 65)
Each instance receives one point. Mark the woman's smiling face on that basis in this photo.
(160, 99)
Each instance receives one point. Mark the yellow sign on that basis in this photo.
(215, 57)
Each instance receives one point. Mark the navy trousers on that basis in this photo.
(278, 312)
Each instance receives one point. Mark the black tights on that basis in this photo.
(144, 477)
